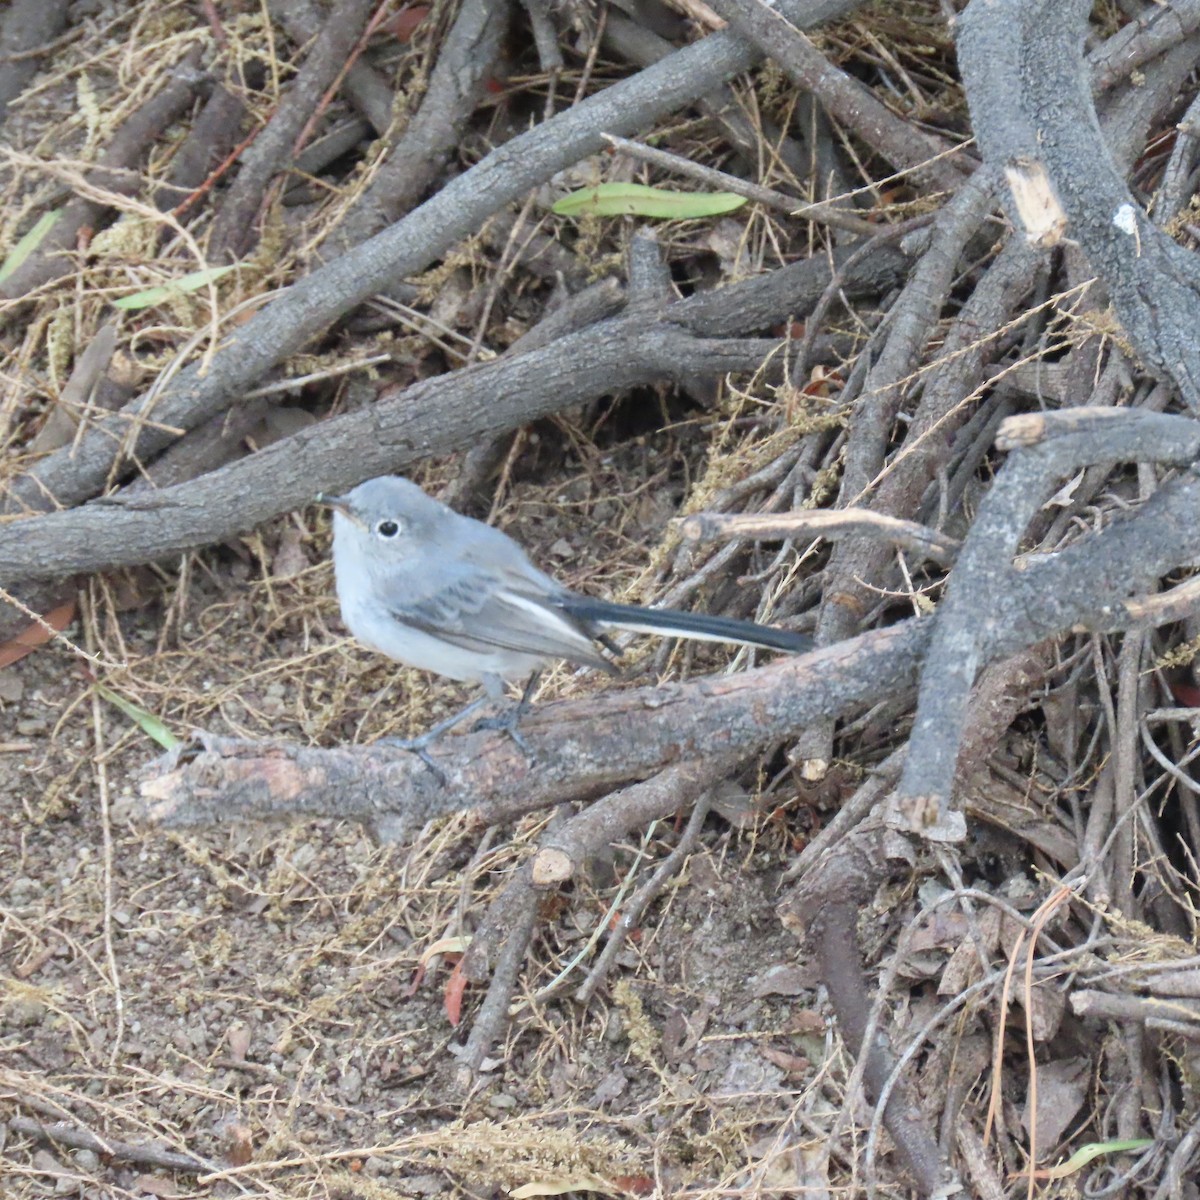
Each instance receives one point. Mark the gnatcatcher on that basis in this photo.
(446, 593)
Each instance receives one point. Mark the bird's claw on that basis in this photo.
(420, 747)
(507, 723)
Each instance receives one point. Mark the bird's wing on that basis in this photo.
(498, 608)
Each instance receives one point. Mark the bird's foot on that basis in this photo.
(420, 745)
(507, 722)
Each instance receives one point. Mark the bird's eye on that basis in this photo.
(387, 529)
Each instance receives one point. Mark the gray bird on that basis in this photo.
(433, 589)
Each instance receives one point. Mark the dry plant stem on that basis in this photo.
(830, 524)
(977, 1162)
(609, 820)
(273, 148)
(906, 330)
(1132, 115)
(844, 98)
(1181, 1166)
(206, 448)
(504, 914)
(545, 36)
(974, 612)
(1003, 690)
(114, 173)
(26, 25)
(407, 247)
(953, 385)
(1095, 838)
(465, 61)
(1123, 739)
(856, 562)
(1175, 191)
(1087, 1002)
(433, 416)
(83, 1139)
(865, 250)
(596, 303)
(580, 748)
(630, 42)
(649, 290)
(950, 389)
(541, 254)
(1030, 98)
(511, 917)
(363, 86)
(436, 416)
(855, 810)
(850, 869)
(1175, 604)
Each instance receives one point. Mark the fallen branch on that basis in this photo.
(831, 524)
(308, 307)
(84, 1139)
(435, 416)
(579, 747)
(978, 609)
(339, 39)
(1030, 96)
(114, 173)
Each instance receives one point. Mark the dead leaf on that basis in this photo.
(1045, 1010)
(452, 995)
(36, 634)
(792, 1064)
(559, 1185)
(1061, 1091)
(784, 979)
(1065, 496)
(239, 1144)
(289, 558)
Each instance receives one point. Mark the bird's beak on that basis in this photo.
(340, 504)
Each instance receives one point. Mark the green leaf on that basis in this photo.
(149, 724)
(185, 283)
(638, 200)
(29, 243)
(1085, 1154)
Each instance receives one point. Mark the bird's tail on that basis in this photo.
(666, 622)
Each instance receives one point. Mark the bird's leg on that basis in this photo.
(507, 721)
(420, 745)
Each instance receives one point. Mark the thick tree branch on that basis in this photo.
(579, 747)
(1030, 95)
(284, 325)
(435, 416)
(976, 612)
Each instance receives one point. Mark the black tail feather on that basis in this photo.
(666, 622)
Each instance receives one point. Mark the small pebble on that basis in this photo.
(86, 1160)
